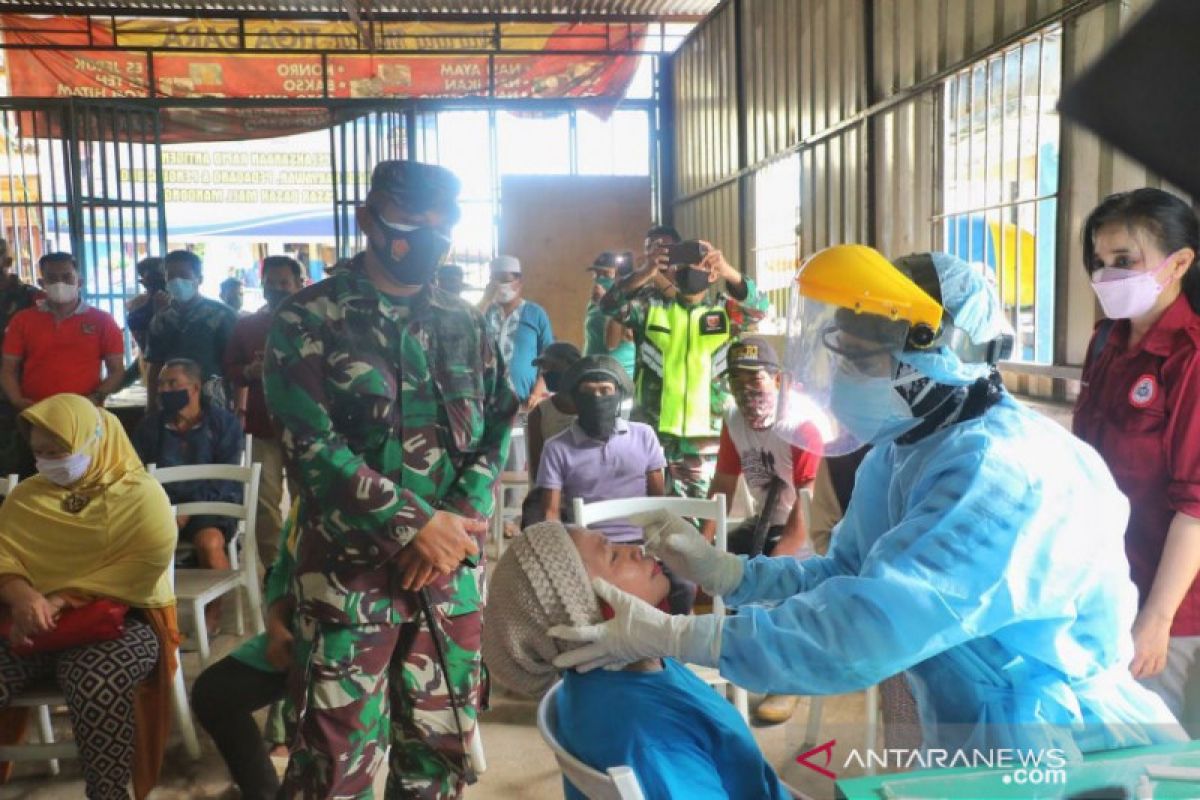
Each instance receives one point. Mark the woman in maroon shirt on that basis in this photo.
(1140, 407)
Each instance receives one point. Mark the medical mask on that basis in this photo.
(870, 407)
(507, 292)
(604, 283)
(1127, 293)
(757, 406)
(411, 254)
(64, 471)
(598, 414)
(275, 297)
(62, 292)
(173, 401)
(182, 289)
(691, 280)
(553, 380)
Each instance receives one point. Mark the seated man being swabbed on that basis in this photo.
(680, 738)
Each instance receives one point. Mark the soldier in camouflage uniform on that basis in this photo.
(395, 415)
(681, 344)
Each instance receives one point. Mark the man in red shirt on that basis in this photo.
(282, 276)
(59, 344)
(751, 447)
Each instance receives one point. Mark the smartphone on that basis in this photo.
(688, 253)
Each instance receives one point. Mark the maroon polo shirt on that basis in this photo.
(1140, 407)
(246, 344)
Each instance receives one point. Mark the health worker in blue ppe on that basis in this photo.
(981, 553)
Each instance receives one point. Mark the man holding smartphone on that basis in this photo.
(681, 346)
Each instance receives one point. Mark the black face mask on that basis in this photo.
(598, 414)
(416, 264)
(155, 283)
(691, 280)
(553, 380)
(173, 401)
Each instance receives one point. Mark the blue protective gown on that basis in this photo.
(987, 561)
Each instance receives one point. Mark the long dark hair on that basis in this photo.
(1167, 218)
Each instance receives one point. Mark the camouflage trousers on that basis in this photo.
(359, 688)
(691, 464)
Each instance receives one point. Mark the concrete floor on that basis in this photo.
(520, 766)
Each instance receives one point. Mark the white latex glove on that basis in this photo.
(676, 542)
(637, 631)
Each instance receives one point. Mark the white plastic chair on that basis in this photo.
(516, 481)
(42, 698)
(231, 549)
(618, 783)
(199, 587)
(713, 509)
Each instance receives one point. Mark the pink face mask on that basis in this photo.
(1127, 293)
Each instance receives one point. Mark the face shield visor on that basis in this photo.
(851, 313)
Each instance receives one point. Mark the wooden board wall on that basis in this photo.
(556, 225)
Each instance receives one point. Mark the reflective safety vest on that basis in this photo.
(682, 353)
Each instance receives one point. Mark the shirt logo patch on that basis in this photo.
(1144, 390)
(712, 322)
(88, 329)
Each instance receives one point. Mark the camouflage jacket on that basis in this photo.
(198, 330)
(390, 409)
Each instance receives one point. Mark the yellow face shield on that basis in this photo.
(860, 280)
(852, 311)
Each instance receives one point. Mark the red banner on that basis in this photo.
(60, 69)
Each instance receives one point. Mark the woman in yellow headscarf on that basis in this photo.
(91, 524)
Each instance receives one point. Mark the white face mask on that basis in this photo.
(62, 292)
(507, 292)
(66, 470)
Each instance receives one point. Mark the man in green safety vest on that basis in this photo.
(681, 344)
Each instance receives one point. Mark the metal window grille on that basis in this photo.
(999, 180)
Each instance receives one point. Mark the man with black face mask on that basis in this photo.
(602, 456)
(681, 345)
(394, 413)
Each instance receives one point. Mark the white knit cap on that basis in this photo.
(506, 265)
(539, 582)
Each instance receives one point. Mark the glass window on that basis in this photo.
(619, 145)
(1000, 151)
(776, 239)
(464, 147)
(533, 143)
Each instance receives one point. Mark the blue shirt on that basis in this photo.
(218, 439)
(680, 738)
(521, 337)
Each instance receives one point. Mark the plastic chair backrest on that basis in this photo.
(712, 508)
(244, 512)
(618, 783)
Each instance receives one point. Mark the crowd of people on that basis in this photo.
(1047, 580)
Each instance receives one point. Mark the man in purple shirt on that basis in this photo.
(602, 456)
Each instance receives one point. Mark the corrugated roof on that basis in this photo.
(591, 9)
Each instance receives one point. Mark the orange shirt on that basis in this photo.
(61, 356)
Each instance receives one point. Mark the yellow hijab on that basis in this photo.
(110, 534)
